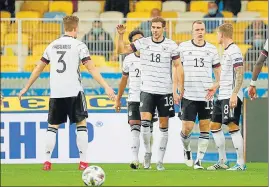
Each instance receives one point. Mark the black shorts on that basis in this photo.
(164, 104)
(134, 112)
(190, 109)
(224, 115)
(73, 107)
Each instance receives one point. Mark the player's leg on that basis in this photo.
(165, 106)
(218, 136)
(154, 119)
(135, 124)
(77, 112)
(188, 116)
(204, 115)
(237, 137)
(146, 107)
(57, 115)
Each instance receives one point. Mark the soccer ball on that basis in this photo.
(93, 176)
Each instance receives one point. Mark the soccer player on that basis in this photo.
(67, 97)
(131, 69)
(257, 69)
(199, 59)
(227, 109)
(157, 54)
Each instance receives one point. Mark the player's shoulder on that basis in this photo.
(210, 46)
(233, 48)
(169, 41)
(187, 43)
(129, 57)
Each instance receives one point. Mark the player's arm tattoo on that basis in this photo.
(239, 71)
(258, 67)
(122, 48)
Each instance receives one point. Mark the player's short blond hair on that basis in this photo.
(226, 29)
(159, 19)
(70, 23)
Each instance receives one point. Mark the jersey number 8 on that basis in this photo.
(62, 53)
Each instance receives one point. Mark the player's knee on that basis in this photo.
(82, 123)
(146, 116)
(233, 127)
(135, 122)
(136, 127)
(187, 127)
(204, 125)
(215, 126)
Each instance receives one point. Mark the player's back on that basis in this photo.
(198, 63)
(231, 58)
(64, 56)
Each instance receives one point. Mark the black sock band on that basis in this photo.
(231, 132)
(204, 135)
(82, 128)
(135, 128)
(184, 136)
(52, 129)
(214, 131)
(145, 123)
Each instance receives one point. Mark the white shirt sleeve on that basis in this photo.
(46, 56)
(125, 66)
(136, 46)
(216, 59)
(237, 58)
(84, 54)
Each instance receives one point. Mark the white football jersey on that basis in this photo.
(231, 58)
(131, 67)
(64, 56)
(265, 49)
(156, 64)
(198, 63)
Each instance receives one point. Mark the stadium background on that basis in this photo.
(37, 23)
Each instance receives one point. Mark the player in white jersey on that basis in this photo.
(131, 70)
(67, 97)
(157, 54)
(227, 109)
(257, 69)
(199, 59)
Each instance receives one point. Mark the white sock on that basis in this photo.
(219, 139)
(239, 146)
(146, 134)
(163, 144)
(82, 142)
(135, 130)
(151, 136)
(186, 141)
(50, 142)
(202, 145)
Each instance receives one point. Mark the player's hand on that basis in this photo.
(210, 93)
(233, 101)
(111, 94)
(121, 29)
(22, 92)
(252, 92)
(117, 105)
(176, 98)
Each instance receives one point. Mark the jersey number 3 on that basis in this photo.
(62, 53)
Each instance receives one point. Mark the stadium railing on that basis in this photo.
(24, 40)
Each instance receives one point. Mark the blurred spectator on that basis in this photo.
(117, 5)
(98, 40)
(188, 2)
(212, 13)
(233, 6)
(8, 5)
(258, 27)
(253, 53)
(145, 26)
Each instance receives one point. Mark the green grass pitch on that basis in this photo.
(122, 175)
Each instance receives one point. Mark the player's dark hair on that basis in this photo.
(133, 33)
(159, 19)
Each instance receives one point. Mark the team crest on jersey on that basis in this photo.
(190, 53)
(165, 48)
(147, 48)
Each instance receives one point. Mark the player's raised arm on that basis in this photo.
(36, 72)
(123, 49)
(257, 69)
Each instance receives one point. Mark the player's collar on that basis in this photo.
(136, 55)
(197, 45)
(67, 36)
(158, 42)
(229, 46)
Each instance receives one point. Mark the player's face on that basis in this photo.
(136, 37)
(219, 37)
(157, 30)
(198, 31)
